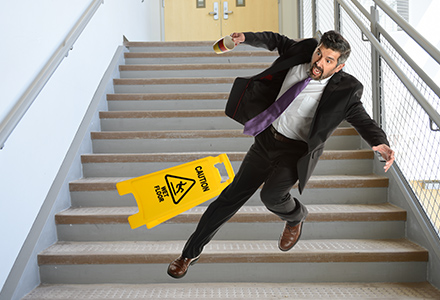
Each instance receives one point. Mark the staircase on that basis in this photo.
(168, 109)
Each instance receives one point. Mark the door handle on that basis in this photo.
(226, 11)
(215, 12)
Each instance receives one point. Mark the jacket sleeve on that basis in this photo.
(269, 40)
(362, 122)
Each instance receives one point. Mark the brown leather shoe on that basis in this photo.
(290, 236)
(179, 266)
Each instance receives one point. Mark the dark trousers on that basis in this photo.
(268, 161)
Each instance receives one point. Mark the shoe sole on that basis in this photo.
(279, 240)
(190, 264)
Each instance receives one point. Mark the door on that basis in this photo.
(208, 20)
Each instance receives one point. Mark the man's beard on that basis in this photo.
(320, 76)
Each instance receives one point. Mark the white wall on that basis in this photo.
(30, 33)
(423, 17)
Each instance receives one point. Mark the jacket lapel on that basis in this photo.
(331, 86)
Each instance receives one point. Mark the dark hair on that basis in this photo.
(335, 41)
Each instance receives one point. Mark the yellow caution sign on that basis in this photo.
(165, 194)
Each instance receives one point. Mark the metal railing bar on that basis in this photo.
(300, 8)
(425, 77)
(424, 43)
(11, 120)
(435, 117)
(362, 9)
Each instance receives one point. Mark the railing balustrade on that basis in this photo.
(398, 94)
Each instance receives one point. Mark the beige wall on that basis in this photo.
(289, 23)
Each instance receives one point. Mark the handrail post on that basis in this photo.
(376, 71)
(337, 16)
(314, 18)
(300, 18)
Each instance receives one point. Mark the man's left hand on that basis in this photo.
(387, 153)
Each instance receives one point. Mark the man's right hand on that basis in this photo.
(238, 37)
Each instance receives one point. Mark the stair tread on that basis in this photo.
(190, 156)
(177, 80)
(243, 290)
(162, 114)
(316, 181)
(180, 44)
(265, 251)
(179, 134)
(217, 66)
(196, 54)
(132, 44)
(166, 96)
(317, 213)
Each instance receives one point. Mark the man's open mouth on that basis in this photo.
(316, 71)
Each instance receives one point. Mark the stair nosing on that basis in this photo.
(190, 156)
(138, 114)
(190, 134)
(166, 96)
(248, 214)
(195, 54)
(176, 80)
(134, 44)
(246, 290)
(170, 67)
(317, 251)
(315, 182)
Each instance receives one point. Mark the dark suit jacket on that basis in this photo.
(340, 99)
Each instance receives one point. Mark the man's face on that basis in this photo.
(324, 63)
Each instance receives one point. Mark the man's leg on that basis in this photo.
(276, 193)
(252, 173)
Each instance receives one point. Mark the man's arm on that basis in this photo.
(368, 128)
(268, 40)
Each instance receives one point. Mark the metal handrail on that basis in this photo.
(414, 34)
(11, 120)
(429, 109)
(362, 9)
(428, 80)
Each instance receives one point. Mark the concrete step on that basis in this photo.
(332, 162)
(190, 46)
(353, 195)
(197, 141)
(234, 261)
(378, 221)
(184, 119)
(244, 291)
(191, 70)
(173, 85)
(166, 120)
(336, 181)
(166, 101)
(199, 57)
(364, 189)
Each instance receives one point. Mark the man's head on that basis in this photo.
(330, 55)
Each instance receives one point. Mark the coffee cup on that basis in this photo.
(225, 44)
